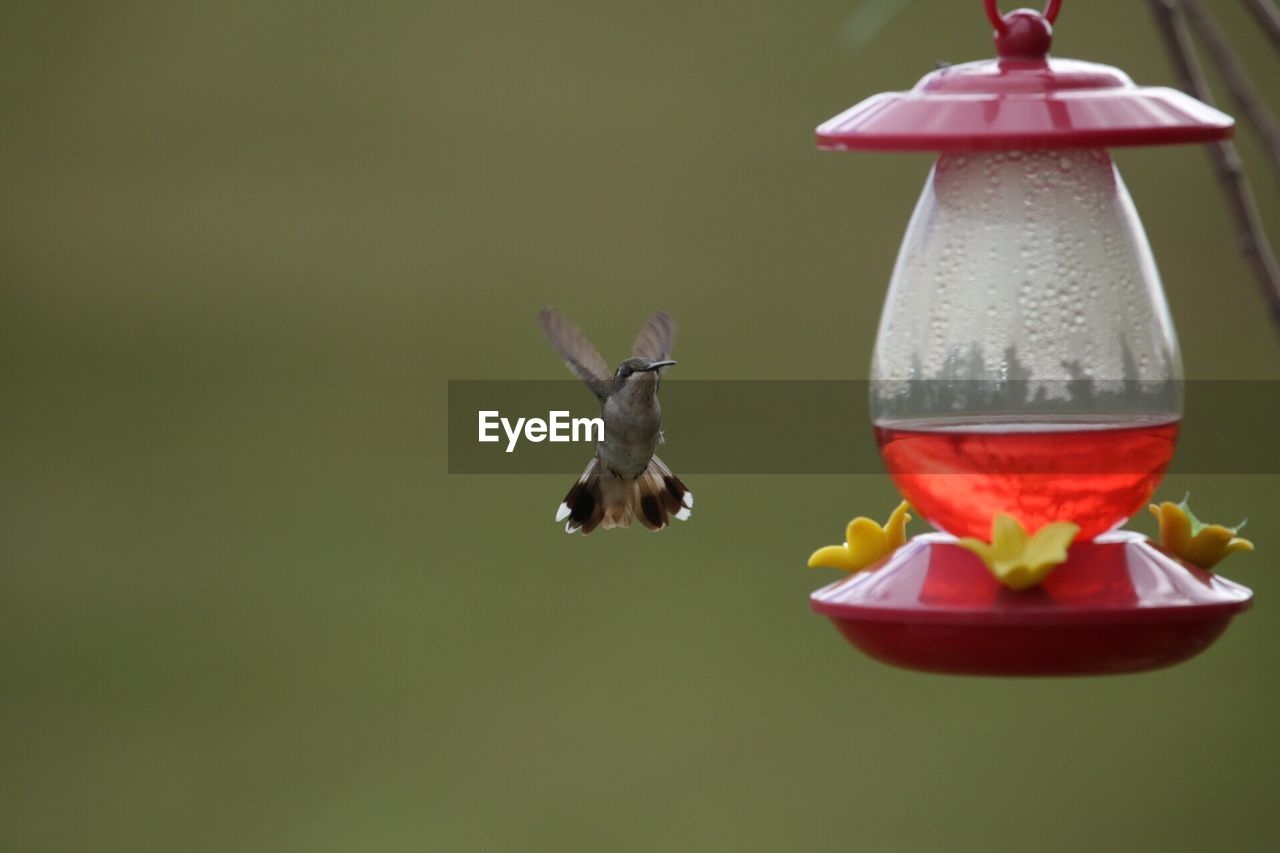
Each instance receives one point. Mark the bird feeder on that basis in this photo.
(1026, 364)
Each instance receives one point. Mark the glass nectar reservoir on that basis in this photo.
(1026, 361)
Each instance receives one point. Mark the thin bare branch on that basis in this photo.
(1242, 89)
(1226, 160)
(1268, 18)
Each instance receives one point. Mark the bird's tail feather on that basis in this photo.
(660, 496)
(582, 509)
(601, 499)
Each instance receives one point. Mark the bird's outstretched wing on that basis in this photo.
(657, 338)
(577, 351)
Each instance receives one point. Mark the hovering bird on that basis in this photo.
(624, 480)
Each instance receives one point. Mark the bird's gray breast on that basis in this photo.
(630, 434)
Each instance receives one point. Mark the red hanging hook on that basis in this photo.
(1050, 14)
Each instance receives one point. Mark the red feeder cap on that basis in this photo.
(1024, 100)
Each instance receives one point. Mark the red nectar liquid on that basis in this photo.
(1096, 472)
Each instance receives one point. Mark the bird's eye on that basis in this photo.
(624, 372)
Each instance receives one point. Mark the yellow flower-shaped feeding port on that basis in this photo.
(1020, 561)
(866, 543)
(1185, 536)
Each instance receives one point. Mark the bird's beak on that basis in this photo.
(656, 364)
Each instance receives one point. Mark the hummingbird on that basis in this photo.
(624, 480)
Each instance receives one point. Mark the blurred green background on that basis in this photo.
(244, 607)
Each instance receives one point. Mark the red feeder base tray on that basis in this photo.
(1119, 604)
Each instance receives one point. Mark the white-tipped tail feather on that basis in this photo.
(602, 499)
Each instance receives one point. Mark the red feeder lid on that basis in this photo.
(1024, 100)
